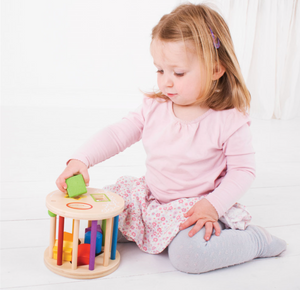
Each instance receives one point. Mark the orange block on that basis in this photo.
(68, 237)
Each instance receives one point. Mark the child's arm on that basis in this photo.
(105, 144)
(114, 138)
(109, 141)
(239, 177)
(240, 170)
(73, 167)
(206, 212)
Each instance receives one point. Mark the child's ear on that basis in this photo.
(219, 70)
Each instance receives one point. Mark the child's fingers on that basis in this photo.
(61, 184)
(74, 167)
(209, 226)
(86, 176)
(217, 228)
(198, 226)
(208, 230)
(189, 222)
(77, 167)
(190, 212)
(61, 181)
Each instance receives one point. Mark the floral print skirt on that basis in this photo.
(152, 225)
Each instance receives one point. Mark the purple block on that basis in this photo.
(98, 229)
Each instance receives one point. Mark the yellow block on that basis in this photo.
(67, 247)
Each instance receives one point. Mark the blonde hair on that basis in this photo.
(204, 27)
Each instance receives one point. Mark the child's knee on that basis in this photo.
(188, 254)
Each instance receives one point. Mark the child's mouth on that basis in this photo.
(171, 95)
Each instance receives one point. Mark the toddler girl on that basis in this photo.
(200, 160)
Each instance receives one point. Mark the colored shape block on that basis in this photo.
(87, 240)
(67, 247)
(76, 185)
(83, 257)
(98, 229)
(67, 251)
(68, 237)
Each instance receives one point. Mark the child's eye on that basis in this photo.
(160, 71)
(179, 74)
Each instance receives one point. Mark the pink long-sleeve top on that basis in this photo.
(211, 155)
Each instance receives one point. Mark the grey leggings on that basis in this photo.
(195, 255)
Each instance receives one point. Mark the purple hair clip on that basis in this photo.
(216, 43)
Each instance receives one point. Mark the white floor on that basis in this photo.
(36, 142)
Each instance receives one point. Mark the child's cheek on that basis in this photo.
(159, 83)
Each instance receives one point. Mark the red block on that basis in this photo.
(83, 254)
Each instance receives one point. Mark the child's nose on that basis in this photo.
(169, 82)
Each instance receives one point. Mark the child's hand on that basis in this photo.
(74, 167)
(202, 214)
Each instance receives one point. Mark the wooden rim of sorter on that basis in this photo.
(86, 206)
(82, 272)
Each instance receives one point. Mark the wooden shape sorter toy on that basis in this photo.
(62, 256)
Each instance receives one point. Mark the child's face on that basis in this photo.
(180, 76)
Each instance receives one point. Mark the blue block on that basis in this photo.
(87, 240)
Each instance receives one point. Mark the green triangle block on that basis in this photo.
(76, 185)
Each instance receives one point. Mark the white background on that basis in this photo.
(69, 68)
(78, 53)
